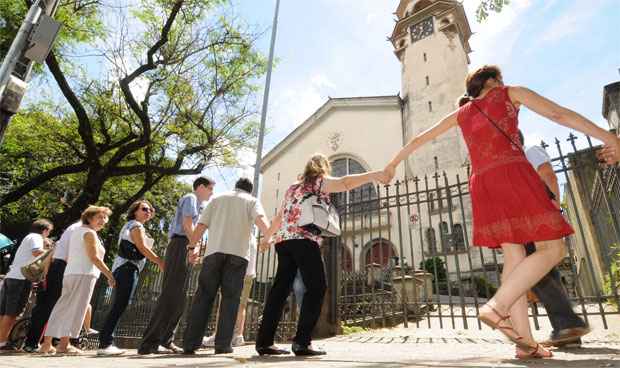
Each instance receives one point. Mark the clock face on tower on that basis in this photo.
(422, 29)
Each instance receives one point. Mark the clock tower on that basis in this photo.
(431, 40)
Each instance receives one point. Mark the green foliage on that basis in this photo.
(349, 330)
(484, 288)
(170, 95)
(488, 6)
(436, 267)
(612, 279)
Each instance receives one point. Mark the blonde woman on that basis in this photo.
(510, 204)
(84, 265)
(299, 249)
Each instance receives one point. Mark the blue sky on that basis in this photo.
(564, 50)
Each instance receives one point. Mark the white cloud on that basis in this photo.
(571, 21)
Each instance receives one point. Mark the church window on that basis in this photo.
(430, 106)
(278, 176)
(428, 81)
(424, 55)
(363, 198)
(431, 240)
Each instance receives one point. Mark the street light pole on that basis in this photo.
(14, 80)
(261, 133)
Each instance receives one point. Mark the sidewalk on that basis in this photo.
(386, 348)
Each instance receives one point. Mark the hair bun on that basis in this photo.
(464, 99)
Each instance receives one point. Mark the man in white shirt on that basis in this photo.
(229, 218)
(15, 289)
(567, 326)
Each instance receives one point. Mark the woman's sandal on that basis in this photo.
(506, 329)
(51, 351)
(537, 352)
(71, 350)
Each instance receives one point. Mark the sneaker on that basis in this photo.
(173, 348)
(91, 332)
(238, 341)
(111, 350)
(30, 349)
(208, 342)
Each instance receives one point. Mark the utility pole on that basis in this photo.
(261, 134)
(32, 43)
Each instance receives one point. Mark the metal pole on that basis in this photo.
(18, 45)
(261, 134)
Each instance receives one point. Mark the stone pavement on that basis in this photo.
(415, 346)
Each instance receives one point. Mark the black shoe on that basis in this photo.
(308, 350)
(189, 352)
(147, 351)
(8, 348)
(271, 350)
(223, 351)
(172, 347)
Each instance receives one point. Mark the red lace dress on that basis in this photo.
(509, 200)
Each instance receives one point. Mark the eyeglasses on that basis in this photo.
(146, 209)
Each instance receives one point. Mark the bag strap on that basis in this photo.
(497, 127)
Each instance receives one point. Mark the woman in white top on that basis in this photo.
(134, 248)
(84, 265)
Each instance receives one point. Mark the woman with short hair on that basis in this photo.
(84, 265)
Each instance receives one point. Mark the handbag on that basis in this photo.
(318, 216)
(35, 270)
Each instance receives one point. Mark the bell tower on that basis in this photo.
(431, 40)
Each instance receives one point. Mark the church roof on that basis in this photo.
(312, 120)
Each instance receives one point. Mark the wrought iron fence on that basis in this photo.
(406, 255)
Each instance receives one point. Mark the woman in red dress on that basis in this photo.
(509, 201)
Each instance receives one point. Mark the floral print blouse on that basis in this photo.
(292, 211)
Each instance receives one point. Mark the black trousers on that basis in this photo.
(553, 296)
(305, 255)
(46, 300)
(224, 272)
(126, 276)
(171, 301)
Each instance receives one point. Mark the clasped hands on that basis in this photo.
(610, 153)
(386, 175)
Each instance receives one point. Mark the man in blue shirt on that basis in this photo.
(169, 308)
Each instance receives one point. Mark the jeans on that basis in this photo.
(299, 289)
(224, 272)
(126, 276)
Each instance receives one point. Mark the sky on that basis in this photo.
(564, 50)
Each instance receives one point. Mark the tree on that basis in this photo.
(488, 6)
(173, 97)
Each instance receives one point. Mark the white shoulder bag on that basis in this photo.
(318, 216)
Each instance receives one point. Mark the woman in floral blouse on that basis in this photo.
(298, 248)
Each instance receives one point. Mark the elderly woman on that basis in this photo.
(134, 249)
(84, 265)
(298, 249)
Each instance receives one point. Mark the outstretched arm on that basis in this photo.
(421, 139)
(567, 118)
(349, 182)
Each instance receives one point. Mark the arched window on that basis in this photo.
(360, 199)
(431, 240)
(458, 236)
(445, 236)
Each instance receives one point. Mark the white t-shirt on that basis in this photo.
(62, 245)
(78, 262)
(251, 270)
(23, 256)
(537, 156)
(125, 234)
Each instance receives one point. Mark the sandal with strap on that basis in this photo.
(71, 351)
(506, 329)
(537, 352)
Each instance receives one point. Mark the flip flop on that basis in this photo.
(71, 351)
(506, 329)
(535, 353)
(50, 352)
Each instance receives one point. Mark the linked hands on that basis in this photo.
(386, 175)
(610, 153)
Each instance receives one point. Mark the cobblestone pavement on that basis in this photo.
(415, 346)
